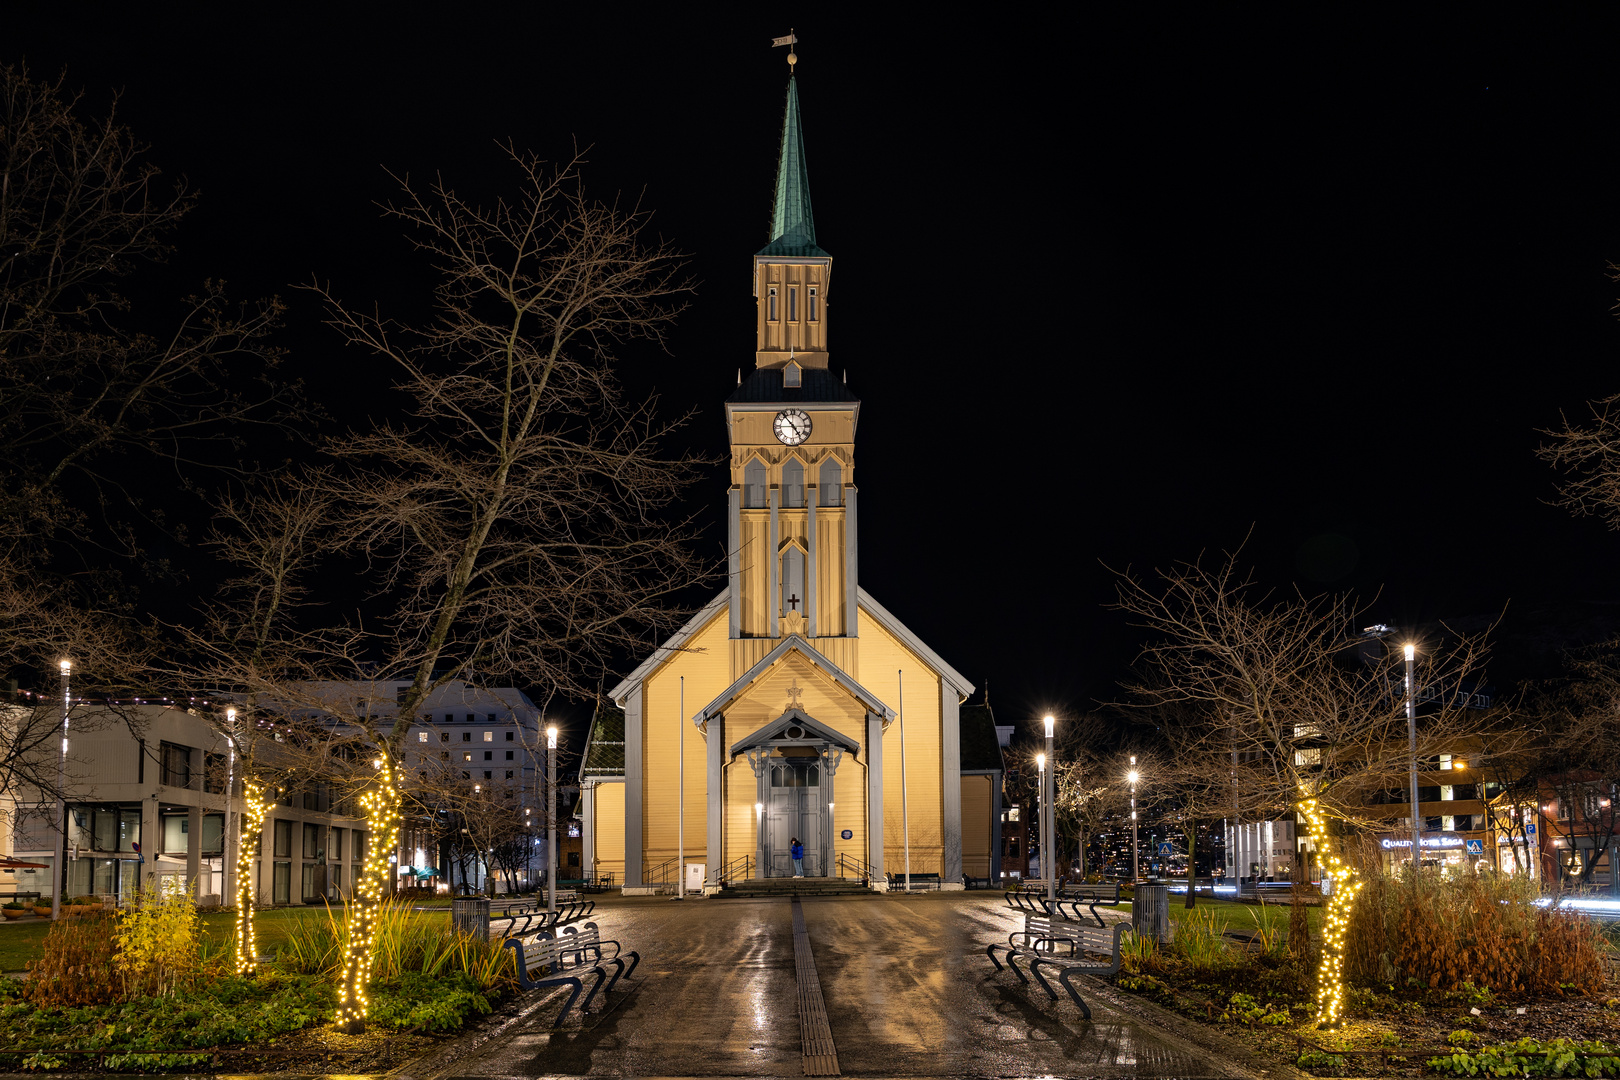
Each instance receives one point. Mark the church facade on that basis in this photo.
(793, 705)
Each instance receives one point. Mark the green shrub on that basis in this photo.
(404, 942)
(1532, 1057)
(157, 938)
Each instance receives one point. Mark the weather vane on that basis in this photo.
(791, 40)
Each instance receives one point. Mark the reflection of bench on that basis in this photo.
(1084, 948)
(545, 955)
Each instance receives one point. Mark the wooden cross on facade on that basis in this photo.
(793, 697)
(793, 602)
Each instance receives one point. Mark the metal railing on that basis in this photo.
(736, 870)
(850, 866)
(662, 876)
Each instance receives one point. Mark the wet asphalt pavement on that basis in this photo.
(908, 992)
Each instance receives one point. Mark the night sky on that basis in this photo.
(1111, 295)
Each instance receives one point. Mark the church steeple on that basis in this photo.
(793, 226)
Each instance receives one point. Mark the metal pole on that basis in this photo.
(1411, 735)
(551, 818)
(1051, 820)
(1136, 858)
(905, 813)
(680, 817)
(226, 862)
(1040, 815)
(61, 800)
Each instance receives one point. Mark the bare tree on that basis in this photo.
(1279, 691)
(518, 525)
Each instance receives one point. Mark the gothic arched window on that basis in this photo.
(832, 483)
(792, 483)
(754, 483)
(793, 580)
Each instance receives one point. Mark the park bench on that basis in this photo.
(1084, 944)
(580, 942)
(1088, 895)
(971, 882)
(545, 955)
(897, 882)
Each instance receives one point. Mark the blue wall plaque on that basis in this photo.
(847, 834)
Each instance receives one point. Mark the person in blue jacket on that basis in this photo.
(797, 851)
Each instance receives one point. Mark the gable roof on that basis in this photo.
(676, 642)
(776, 728)
(980, 749)
(766, 385)
(790, 643)
(604, 747)
(885, 619)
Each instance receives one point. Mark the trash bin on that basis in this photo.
(470, 915)
(1150, 911)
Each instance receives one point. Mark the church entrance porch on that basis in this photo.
(796, 809)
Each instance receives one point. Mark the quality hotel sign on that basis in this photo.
(1428, 842)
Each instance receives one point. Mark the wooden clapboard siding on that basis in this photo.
(610, 830)
(976, 826)
(883, 659)
(706, 666)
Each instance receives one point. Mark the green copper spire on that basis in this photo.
(793, 228)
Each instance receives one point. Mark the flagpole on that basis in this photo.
(680, 817)
(905, 810)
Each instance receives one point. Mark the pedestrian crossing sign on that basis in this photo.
(1166, 848)
(1476, 847)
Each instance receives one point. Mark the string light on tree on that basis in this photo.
(254, 809)
(1346, 884)
(381, 805)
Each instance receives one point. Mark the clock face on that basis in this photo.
(792, 426)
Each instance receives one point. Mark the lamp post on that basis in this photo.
(1040, 812)
(759, 836)
(551, 818)
(1136, 860)
(905, 806)
(832, 844)
(61, 798)
(1411, 736)
(225, 859)
(1051, 817)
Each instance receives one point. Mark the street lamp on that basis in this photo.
(759, 837)
(551, 818)
(1050, 840)
(1411, 736)
(226, 863)
(61, 799)
(1040, 812)
(1136, 860)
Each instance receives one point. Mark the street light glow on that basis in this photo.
(1049, 723)
(551, 737)
(67, 665)
(1132, 776)
(1410, 651)
(1040, 762)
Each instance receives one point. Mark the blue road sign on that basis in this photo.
(1476, 847)
(1166, 848)
(1530, 828)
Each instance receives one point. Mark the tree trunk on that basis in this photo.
(1192, 865)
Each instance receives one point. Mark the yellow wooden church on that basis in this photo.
(779, 708)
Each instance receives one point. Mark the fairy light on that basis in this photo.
(254, 809)
(1336, 922)
(381, 805)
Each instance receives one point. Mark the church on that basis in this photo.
(794, 705)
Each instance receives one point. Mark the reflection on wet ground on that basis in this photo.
(907, 987)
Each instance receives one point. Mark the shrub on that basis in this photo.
(12, 905)
(157, 936)
(403, 942)
(1470, 935)
(1532, 1057)
(75, 964)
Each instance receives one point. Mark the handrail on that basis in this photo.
(862, 869)
(730, 871)
(661, 875)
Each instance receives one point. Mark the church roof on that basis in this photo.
(793, 642)
(604, 749)
(981, 750)
(765, 384)
(793, 227)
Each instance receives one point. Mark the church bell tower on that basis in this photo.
(791, 422)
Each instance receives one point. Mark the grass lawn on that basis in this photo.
(19, 941)
(1235, 915)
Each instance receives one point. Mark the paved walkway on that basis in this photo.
(906, 987)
